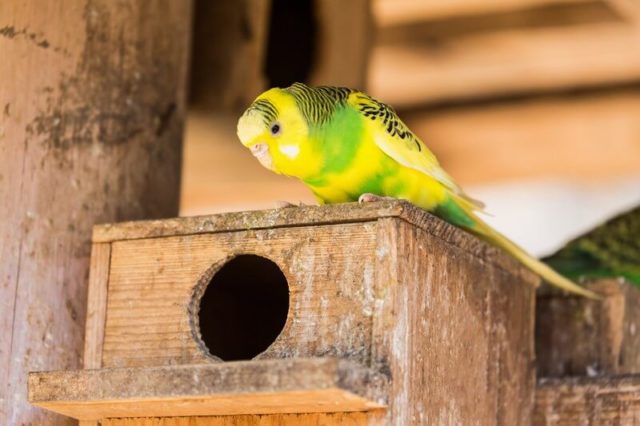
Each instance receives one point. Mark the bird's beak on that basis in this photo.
(261, 152)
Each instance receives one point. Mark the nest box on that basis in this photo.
(347, 314)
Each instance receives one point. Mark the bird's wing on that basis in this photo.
(395, 139)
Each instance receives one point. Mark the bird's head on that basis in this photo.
(275, 131)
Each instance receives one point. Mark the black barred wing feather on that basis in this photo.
(401, 144)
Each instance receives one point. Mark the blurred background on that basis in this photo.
(532, 105)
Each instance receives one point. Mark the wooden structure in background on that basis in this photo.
(578, 337)
(548, 136)
(430, 52)
(588, 357)
(228, 75)
(92, 102)
(381, 297)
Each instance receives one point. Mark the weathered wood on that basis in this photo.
(312, 419)
(307, 216)
(588, 401)
(229, 47)
(96, 304)
(257, 387)
(577, 337)
(91, 113)
(385, 285)
(443, 336)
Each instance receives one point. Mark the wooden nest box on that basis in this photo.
(347, 314)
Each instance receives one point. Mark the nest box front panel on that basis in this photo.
(156, 287)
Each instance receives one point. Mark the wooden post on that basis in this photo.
(92, 98)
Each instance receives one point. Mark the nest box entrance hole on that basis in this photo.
(243, 308)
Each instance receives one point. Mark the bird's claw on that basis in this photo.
(368, 197)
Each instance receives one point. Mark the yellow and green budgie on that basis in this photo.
(346, 146)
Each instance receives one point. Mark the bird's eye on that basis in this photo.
(275, 129)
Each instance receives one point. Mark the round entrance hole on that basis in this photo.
(244, 308)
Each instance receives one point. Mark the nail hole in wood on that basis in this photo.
(243, 308)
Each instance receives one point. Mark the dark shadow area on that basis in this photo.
(244, 308)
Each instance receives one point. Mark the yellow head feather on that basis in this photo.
(275, 131)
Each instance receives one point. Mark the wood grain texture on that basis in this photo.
(577, 337)
(257, 387)
(588, 401)
(311, 419)
(92, 96)
(443, 320)
(307, 216)
(450, 326)
(152, 282)
(96, 304)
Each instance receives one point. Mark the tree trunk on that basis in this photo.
(92, 100)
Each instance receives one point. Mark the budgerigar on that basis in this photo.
(610, 250)
(346, 146)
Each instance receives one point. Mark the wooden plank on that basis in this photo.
(576, 337)
(256, 387)
(505, 63)
(588, 401)
(92, 97)
(395, 12)
(307, 216)
(437, 296)
(539, 137)
(96, 304)
(311, 419)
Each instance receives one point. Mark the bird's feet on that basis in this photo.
(367, 197)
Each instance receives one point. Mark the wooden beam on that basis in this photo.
(504, 63)
(397, 12)
(92, 100)
(553, 136)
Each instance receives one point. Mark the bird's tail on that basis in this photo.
(484, 231)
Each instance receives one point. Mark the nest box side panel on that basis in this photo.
(329, 269)
(455, 332)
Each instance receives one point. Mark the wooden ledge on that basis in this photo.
(245, 387)
(308, 216)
